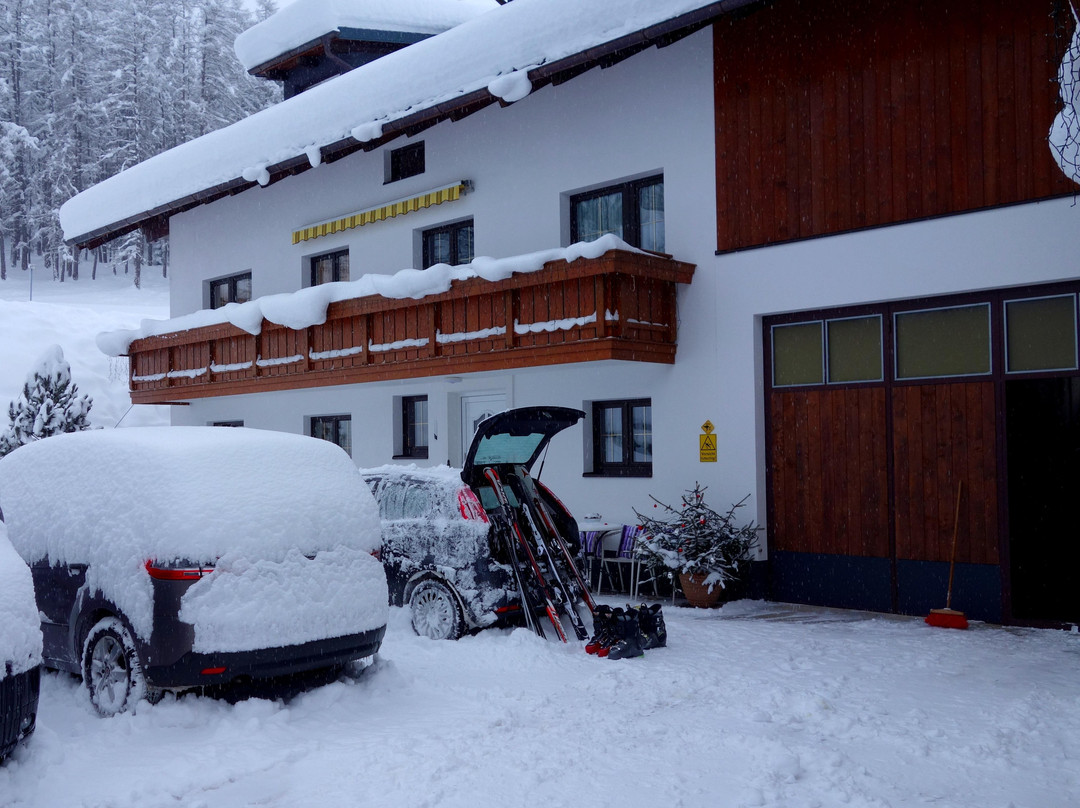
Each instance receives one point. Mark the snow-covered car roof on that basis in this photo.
(182, 492)
(499, 55)
(20, 629)
(113, 499)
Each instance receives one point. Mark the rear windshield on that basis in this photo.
(504, 448)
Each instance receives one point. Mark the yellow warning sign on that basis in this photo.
(707, 445)
(707, 427)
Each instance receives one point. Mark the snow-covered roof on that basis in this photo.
(502, 54)
(307, 307)
(303, 21)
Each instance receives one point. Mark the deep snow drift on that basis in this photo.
(71, 315)
(746, 707)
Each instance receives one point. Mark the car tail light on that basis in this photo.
(470, 506)
(212, 671)
(179, 571)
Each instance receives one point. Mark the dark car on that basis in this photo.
(440, 550)
(20, 648)
(180, 557)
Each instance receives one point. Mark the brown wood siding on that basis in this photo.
(836, 115)
(828, 471)
(944, 434)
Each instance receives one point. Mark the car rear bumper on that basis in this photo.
(18, 707)
(198, 669)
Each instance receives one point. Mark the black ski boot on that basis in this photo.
(602, 629)
(653, 630)
(629, 633)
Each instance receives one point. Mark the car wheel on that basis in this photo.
(436, 612)
(112, 672)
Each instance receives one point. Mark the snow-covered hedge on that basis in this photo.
(237, 497)
(20, 631)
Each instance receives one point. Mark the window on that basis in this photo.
(622, 438)
(844, 350)
(951, 341)
(330, 267)
(334, 428)
(1040, 334)
(234, 289)
(451, 244)
(228, 423)
(414, 426)
(408, 161)
(633, 211)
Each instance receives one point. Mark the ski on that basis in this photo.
(586, 595)
(508, 515)
(542, 548)
(528, 603)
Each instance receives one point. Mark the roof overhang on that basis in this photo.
(556, 72)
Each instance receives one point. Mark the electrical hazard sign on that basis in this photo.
(707, 443)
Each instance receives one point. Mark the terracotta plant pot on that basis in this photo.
(697, 593)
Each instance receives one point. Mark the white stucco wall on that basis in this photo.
(648, 114)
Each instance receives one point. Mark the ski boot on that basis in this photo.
(653, 630)
(602, 628)
(628, 632)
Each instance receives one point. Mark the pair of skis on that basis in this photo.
(526, 561)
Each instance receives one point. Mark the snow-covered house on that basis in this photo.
(838, 268)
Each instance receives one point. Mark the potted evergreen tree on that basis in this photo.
(709, 550)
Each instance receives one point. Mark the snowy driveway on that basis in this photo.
(819, 709)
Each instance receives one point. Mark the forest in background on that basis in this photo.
(91, 87)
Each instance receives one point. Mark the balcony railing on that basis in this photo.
(618, 306)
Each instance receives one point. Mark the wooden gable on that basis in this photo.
(836, 115)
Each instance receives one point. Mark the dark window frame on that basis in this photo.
(407, 161)
(453, 229)
(631, 194)
(336, 269)
(334, 423)
(627, 467)
(230, 284)
(409, 447)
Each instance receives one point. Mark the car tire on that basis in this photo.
(112, 671)
(436, 611)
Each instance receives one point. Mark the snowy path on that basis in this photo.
(819, 709)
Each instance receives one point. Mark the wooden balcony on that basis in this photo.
(618, 306)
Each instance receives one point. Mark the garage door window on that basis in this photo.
(1040, 334)
(943, 342)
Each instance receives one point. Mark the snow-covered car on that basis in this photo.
(440, 550)
(166, 558)
(20, 648)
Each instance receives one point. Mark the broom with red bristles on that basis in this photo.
(949, 617)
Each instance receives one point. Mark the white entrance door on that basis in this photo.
(475, 409)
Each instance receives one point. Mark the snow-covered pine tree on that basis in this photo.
(50, 404)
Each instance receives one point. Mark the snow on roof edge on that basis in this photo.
(307, 307)
(304, 21)
(518, 37)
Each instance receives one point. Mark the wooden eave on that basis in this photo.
(620, 306)
(557, 72)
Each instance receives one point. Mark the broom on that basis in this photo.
(949, 617)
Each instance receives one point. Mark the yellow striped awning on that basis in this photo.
(387, 211)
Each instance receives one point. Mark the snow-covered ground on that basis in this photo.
(749, 705)
(71, 315)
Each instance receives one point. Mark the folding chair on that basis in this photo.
(591, 550)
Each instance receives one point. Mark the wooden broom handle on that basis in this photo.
(952, 557)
